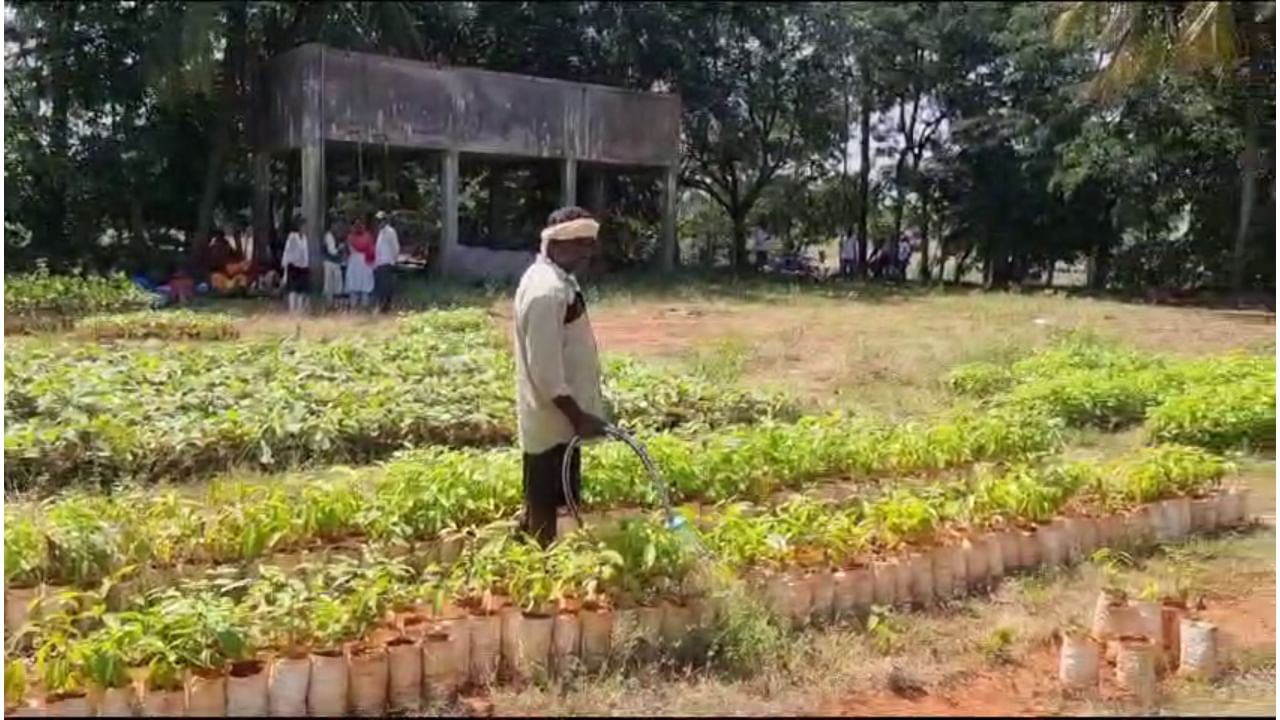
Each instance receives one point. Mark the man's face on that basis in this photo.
(574, 255)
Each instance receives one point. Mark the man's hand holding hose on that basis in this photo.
(585, 425)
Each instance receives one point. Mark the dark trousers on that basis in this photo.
(544, 490)
(847, 267)
(384, 286)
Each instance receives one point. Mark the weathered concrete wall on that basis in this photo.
(337, 95)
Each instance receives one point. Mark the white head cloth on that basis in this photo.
(569, 230)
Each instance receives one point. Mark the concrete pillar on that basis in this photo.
(568, 182)
(314, 206)
(261, 204)
(597, 202)
(448, 210)
(667, 250)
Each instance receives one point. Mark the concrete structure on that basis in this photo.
(318, 96)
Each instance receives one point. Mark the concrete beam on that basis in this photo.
(568, 182)
(314, 206)
(667, 251)
(448, 210)
(358, 97)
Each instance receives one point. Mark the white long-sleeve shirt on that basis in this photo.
(553, 358)
(295, 251)
(387, 249)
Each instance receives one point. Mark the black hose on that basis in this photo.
(618, 434)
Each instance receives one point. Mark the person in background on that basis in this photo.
(760, 245)
(903, 257)
(558, 393)
(386, 255)
(297, 266)
(360, 257)
(848, 255)
(332, 264)
(232, 275)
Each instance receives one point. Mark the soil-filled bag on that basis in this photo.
(1078, 661)
(626, 631)
(777, 596)
(1069, 538)
(166, 703)
(676, 621)
(1052, 546)
(1110, 615)
(977, 573)
(404, 668)
(486, 638)
(920, 568)
(566, 638)
(945, 584)
(533, 647)
(112, 702)
(1010, 551)
(367, 681)
(1111, 532)
(885, 582)
(990, 543)
(444, 661)
(1029, 549)
(1136, 668)
(597, 631)
(247, 684)
(1172, 613)
(824, 592)
(841, 595)
(1140, 526)
(1089, 534)
(861, 588)
(510, 618)
(1198, 650)
(287, 686)
(1204, 515)
(327, 691)
(1182, 516)
(71, 705)
(649, 625)
(207, 694)
(1243, 505)
(1147, 616)
(902, 582)
(801, 602)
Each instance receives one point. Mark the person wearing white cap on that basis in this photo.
(386, 254)
(558, 391)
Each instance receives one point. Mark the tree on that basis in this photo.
(758, 100)
(1232, 41)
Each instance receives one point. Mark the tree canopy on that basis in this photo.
(1136, 136)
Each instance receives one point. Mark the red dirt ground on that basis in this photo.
(1030, 687)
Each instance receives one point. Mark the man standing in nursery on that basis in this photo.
(557, 368)
(386, 255)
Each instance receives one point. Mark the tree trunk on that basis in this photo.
(738, 253)
(864, 171)
(924, 238)
(1248, 193)
(961, 261)
(59, 128)
(224, 127)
